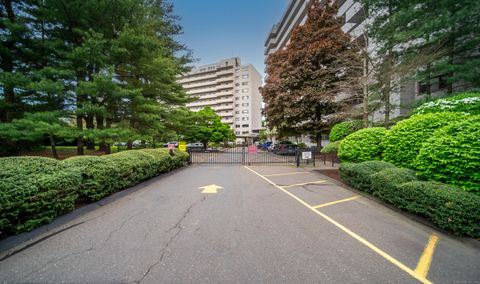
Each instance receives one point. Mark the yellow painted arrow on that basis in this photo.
(210, 188)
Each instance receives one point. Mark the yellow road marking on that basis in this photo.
(424, 263)
(286, 174)
(304, 183)
(210, 188)
(335, 202)
(352, 234)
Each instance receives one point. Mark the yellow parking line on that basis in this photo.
(424, 263)
(352, 234)
(335, 202)
(286, 174)
(304, 183)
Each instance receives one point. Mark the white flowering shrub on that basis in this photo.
(467, 103)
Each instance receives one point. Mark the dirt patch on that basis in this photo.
(331, 173)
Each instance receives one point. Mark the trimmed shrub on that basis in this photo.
(363, 145)
(104, 175)
(404, 140)
(343, 129)
(446, 206)
(385, 183)
(358, 175)
(33, 191)
(452, 155)
(331, 147)
(468, 103)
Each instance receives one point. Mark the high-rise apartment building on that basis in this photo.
(231, 90)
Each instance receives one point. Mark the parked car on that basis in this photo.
(266, 145)
(195, 146)
(286, 150)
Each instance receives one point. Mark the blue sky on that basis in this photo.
(217, 29)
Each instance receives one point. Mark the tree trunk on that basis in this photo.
(52, 145)
(90, 125)
(153, 143)
(80, 139)
(100, 125)
(129, 145)
(365, 90)
(318, 138)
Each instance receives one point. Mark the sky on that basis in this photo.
(218, 29)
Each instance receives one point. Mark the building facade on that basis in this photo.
(231, 90)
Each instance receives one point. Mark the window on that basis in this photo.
(237, 77)
(237, 132)
(237, 125)
(244, 111)
(244, 97)
(237, 118)
(245, 105)
(237, 112)
(237, 98)
(245, 125)
(237, 105)
(244, 90)
(237, 84)
(245, 76)
(245, 118)
(244, 83)
(244, 132)
(237, 91)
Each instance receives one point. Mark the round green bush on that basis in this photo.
(343, 129)
(452, 155)
(404, 140)
(468, 103)
(331, 147)
(363, 145)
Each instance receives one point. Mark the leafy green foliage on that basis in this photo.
(104, 175)
(446, 206)
(358, 175)
(331, 147)
(452, 155)
(385, 183)
(34, 190)
(362, 145)
(468, 103)
(343, 129)
(404, 140)
(207, 127)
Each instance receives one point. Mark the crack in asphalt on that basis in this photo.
(14, 252)
(91, 248)
(163, 251)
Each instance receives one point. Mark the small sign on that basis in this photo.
(182, 146)
(306, 155)
(252, 149)
(171, 146)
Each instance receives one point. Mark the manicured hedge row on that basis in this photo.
(34, 190)
(364, 145)
(448, 207)
(343, 129)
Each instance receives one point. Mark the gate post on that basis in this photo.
(298, 158)
(243, 154)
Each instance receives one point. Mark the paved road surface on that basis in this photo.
(265, 225)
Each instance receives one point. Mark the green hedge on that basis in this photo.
(363, 145)
(358, 175)
(34, 190)
(468, 103)
(452, 155)
(331, 147)
(404, 140)
(343, 129)
(385, 183)
(446, 206)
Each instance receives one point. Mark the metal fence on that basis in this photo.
(251, 156)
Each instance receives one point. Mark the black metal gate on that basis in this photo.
(242, 156)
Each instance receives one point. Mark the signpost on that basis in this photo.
(306, 155)
(182, 146)
(252, 149)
